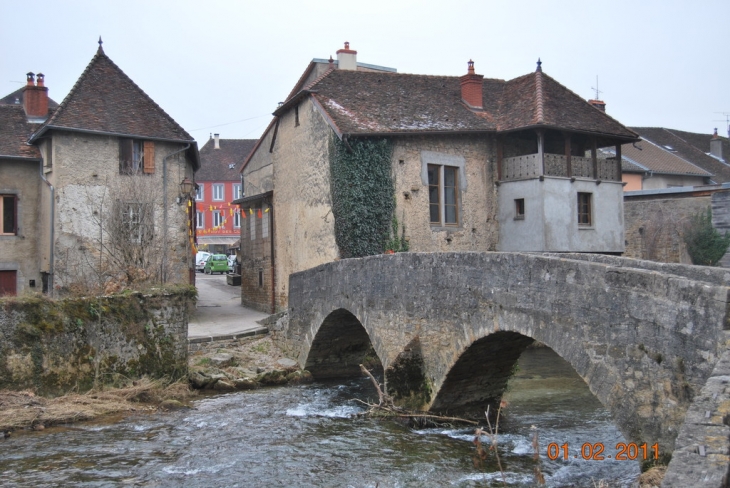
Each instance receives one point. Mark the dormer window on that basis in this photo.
(136, 156)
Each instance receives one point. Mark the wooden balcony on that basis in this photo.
(532, 166)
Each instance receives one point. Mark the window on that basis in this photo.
(443, 194)
(199, 195)
(584, 209)
(217, 218)
(236, 219)
(8, 215)
(236, 191)
(252, 223)
(519, 209)
(218, 191)
(264, 222)
(137, 221)
(296, 116)
(136, 156)
(261, 278)
(199, 220)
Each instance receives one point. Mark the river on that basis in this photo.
(304, 436)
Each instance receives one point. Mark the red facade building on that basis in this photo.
(218, 223)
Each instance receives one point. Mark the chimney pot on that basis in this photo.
(39, 79)
(216, 141)
(347, 58)
(35, 97)
(471, 87)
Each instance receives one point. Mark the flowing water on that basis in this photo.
(304, 436)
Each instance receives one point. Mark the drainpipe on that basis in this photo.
(53, 227)
(164, 208)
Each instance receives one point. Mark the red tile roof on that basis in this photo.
(368, 103)
(105, 100)
(215, 163)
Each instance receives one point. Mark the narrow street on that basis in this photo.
(219, 312)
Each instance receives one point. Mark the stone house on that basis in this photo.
(476, 164)
(106, 162)
(217, 221)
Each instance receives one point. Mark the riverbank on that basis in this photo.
(248, 363)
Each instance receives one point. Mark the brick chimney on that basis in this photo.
(347, 58)
(599, 104)
(35, 96)
(471, 87)
(716, 145)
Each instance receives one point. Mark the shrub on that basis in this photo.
(705, 245)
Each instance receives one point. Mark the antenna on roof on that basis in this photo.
(598, 92)
(727, 121)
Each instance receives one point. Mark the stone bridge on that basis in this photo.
(448, 329)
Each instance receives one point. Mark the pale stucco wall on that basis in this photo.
(19, 252)
(656, 182)
(85, 172)
(258, 173)
(551, 220)
(477, 229)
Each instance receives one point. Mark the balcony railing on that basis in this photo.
(530, 166)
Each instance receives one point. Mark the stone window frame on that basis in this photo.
(5, 229)
(219, 192)
(458, 164)
(585, 209)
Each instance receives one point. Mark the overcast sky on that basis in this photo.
(222, 66)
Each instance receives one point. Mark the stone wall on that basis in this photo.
(653, 226)
(55, 346)
(85, 174)
(645, 340)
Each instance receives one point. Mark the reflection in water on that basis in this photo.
(303, 436)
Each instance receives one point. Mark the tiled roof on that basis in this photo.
(362, 103)
(658, 160)
(215, 163)
(537, 99)
(106, 100)
(18, 95)
(691, 147)
(14, 133)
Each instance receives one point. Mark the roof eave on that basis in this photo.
(253, 198)
(46, 128)
(21, 158)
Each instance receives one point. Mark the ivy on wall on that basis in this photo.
(363, 202)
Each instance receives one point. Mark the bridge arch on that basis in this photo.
(644, 337)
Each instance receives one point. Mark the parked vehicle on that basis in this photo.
(216, 263)
(200, 258)
(231, 263)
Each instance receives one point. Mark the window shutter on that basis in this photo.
(125, 156)
(149, 157)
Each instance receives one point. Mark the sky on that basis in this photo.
(222, 66)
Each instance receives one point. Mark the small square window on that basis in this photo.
(519, 209)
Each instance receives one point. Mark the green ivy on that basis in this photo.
(705, 245)
(363, 192)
